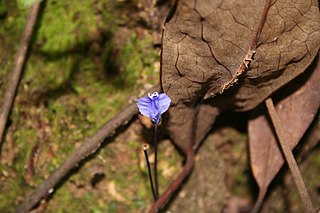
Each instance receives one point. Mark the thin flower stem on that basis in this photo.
(145, 150)
(163, 199)
(155, 143)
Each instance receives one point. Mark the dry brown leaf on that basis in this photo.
(296, 111)
(207, 45)
(205, 42)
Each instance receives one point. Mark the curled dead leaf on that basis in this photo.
(297, 108)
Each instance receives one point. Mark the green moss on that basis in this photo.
(66, 94)
(141, 58)
(11, 26)
(3, 10)
(66, 202)
(12, 22)
(23, 4)
(66, 25)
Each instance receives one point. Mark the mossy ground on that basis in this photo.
(86, 62)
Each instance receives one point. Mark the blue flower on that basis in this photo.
(154, 105)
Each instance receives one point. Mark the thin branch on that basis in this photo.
(89, 146)
(163, 199)
(289, 157)
(20, 58)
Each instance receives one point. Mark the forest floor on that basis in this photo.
(86, 63)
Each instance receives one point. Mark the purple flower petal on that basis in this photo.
(144, 106)
(154, 105)
(164, 102)
(154, 110)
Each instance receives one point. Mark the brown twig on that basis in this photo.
(163, 199)
(20, 58)
(89, 146)
(289, 157)
(31, 161)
